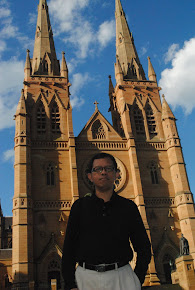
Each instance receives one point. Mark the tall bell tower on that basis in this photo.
(159, 176)
(45, 163)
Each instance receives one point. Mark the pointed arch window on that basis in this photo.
(139, 121)
(98, 131)
(50, 174)
(55, 118)
(151, 121)
(134, 71)
(154, 172)
(41, 119)
(45, 66)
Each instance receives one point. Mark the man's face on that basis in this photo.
(104, 180)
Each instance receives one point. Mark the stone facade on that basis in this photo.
(50, 163)
(5, 250)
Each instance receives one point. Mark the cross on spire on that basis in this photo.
(96, 105)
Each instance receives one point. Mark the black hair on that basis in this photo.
(101, 156)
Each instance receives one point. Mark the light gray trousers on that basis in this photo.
(122, 278)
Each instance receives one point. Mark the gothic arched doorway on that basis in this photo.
(168, 260)
(54, 273)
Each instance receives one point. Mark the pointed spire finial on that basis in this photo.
(27, 68)
(111, 87)
(119, 76)
(151, 72)
(166, 110)
(64, 68)
(21, 108)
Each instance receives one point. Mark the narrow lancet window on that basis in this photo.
(151, 121)
(98, 131)
(139, 121)
(154, 173)
(50, 174)
(45, 67)
(55, 119)
(41, 119)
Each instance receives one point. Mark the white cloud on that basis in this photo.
(66, 13)
(6, 114)
(7, 28)
(32, 18)
(8, 31)
(2, 46)
(8, 155)
(169, 56)
(178, 82)
(78, 82)
(143, 51)
(72, 64)
(73, 27)
(82, 38)
(11, 77)
(106, 32)
(68, 18)
(77, 102)
(4, 12)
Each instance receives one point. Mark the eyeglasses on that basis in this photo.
(99, 169)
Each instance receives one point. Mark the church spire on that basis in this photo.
(44, 58)
(27, 68)
(166, 110)
(64, 68)
(21, 108)
(151, 72)
(125, 48)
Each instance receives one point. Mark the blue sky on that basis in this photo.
(85, 30)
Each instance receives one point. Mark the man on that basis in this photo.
(97, 236)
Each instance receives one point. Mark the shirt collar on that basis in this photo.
(113, 197)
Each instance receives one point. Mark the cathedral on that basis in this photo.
(51, 163)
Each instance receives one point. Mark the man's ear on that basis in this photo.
(89, 176)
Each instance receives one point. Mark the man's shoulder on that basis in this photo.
(125, 201)
(83, 199)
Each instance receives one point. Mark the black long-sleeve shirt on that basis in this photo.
(99, 232)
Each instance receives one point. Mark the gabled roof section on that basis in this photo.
(52, 246)
(125, 47)
(166, 245)
(108, 132)
(44, 43)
